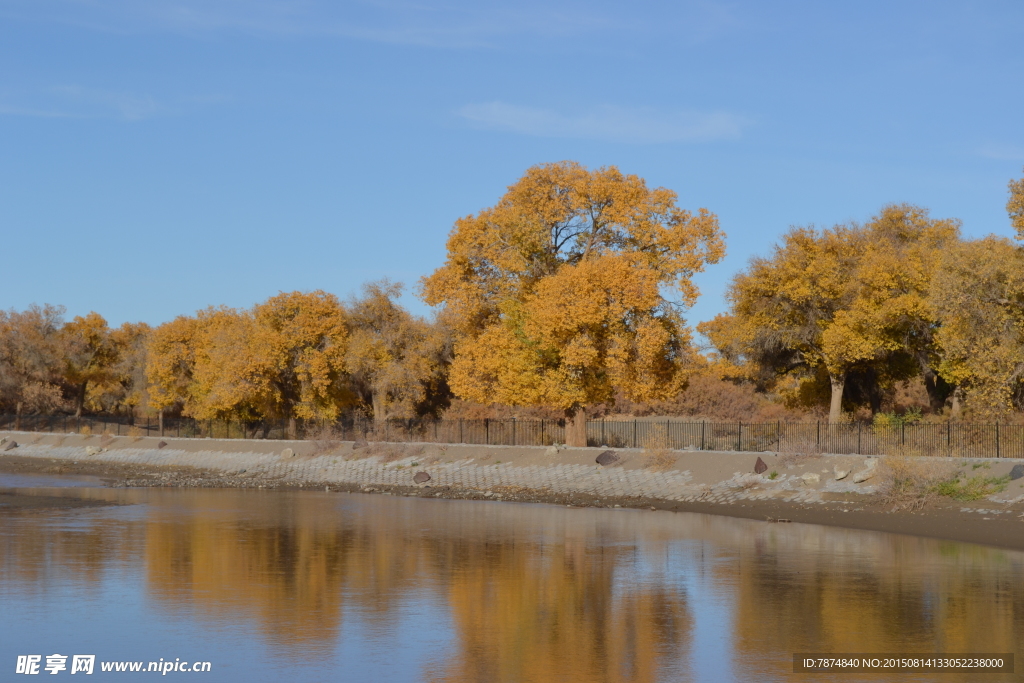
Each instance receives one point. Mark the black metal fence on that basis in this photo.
(950, 439)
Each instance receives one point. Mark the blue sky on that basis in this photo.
(159, 156)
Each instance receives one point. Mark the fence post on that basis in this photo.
(513, 431)
(703, 424)
(949, 428)
(739, 437)
(997, 440)
(818, 425)
(487, 431)
(604, 441)
(903, 433)
(461, 440)
(858, 438)
(634, 434)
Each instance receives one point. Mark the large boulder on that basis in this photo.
(551, 450)
(1017, 472)
(840, 473)
(870, 465)
(93, 450)
(162, 444)
(607, 458)
(810, 478)
(421, 478)
(10, 444)
(760, 467)
(287, 453)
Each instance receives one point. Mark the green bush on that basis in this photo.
(974, 488)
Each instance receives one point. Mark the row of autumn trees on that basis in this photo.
(842, 315)
(569, 293)
(295, 356)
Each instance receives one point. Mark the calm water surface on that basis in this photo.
(305, 586)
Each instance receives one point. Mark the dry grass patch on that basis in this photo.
(796, 452)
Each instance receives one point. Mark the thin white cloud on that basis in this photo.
(9, 110)
(79, 102)
(107, 103)
(609, 123)
(1002, 152)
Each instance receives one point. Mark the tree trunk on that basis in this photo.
(80, 399)
(379, 414)
(835, 409)
(957, 403)
(161, 422)
(293, 429)
(931, 384)
(576, 427)
(17, 416)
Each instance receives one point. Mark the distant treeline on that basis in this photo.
(564, 298)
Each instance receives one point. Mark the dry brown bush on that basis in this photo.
(708, 397)
(909, 483)
(324, 440)
(659, 460)
(468, 410)
(657, 455)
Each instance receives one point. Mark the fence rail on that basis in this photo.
(957, 440)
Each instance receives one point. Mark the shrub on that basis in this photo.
(909, 483)
(974, 488)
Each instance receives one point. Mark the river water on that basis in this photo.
(309, 586)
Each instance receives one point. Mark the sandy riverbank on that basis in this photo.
(804, 489)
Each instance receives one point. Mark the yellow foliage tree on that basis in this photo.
(392, 355)
(284, 358)
(979, 297)
(298, 356)
(1015, 206)
(838, 300)
(557, 294)
(89, 355)
(31, 359)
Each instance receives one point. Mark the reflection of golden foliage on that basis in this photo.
(884, 599)
(529, 615)
(526, 606)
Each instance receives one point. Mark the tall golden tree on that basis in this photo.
(89, 355)
(563, 291)
(851, 301)
(978, 295)
(298, 356)
(783, 308)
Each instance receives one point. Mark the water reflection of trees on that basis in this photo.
(809, 589)
(523, 608)
(531, 593)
